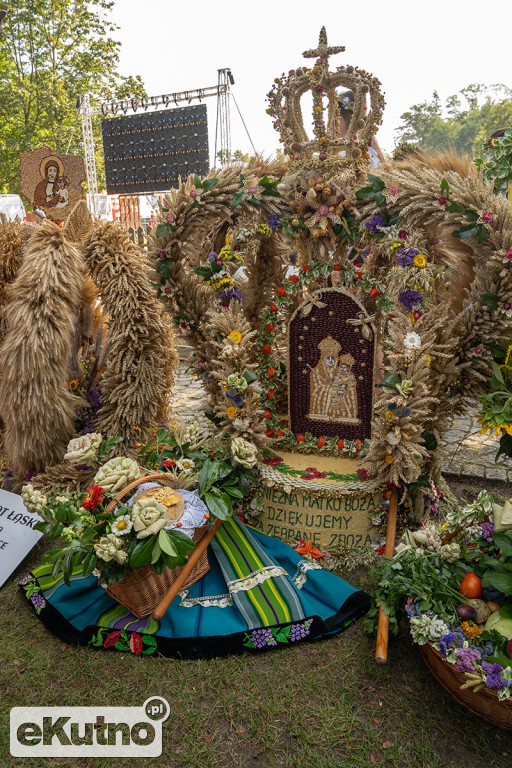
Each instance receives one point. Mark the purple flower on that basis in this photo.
(212, 256)
(273, 221)
(494, 679)
(373, 224)
(410, 299)
(263, 637)
(38, 602)
(230, 293)
(451, 640)
(487, 530)
(467, 658)
(25, 580)
(413, 610)
(404, 259)
(300, 631)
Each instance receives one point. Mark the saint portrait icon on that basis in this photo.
(52, 181)
(333, 386)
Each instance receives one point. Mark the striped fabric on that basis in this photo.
(262, 591)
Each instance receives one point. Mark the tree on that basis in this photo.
(51, 52)
(463, 122)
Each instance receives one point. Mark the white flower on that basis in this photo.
(241, 424)
(33, 500)
(84, 449)
(243, 453)
(185, 465)
(412, 340)
(110, 548)
(117, 474)
(122, 525)
(149, 517)
(438, 628)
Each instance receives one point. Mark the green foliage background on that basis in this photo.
(464, 121)
(51, 52)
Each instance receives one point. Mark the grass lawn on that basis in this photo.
(319, 705)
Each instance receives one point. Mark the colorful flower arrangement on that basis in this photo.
(105, 539)
(454, 582)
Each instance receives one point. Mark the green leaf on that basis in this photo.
(497, 373)
(376, 182)
(161, 229)
(249, 376)
(217, 506)
(157, 551)
(365, 193)
(52, 555)
(197, 181)
(456, 208)
(149, 640)
(490, 299)
(390, 381)
(238, 198)
(141, 553)
(445, 187)
(505, 448)
(166, 544)
(465, 232)
(504, 541)
(482, 233)
(209, 184)
(380, 199)
(429, 441)
(89, 564)
(498, 579)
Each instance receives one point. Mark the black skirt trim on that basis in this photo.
(206, 647)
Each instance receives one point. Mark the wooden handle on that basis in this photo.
(173, 590)
(381, 650)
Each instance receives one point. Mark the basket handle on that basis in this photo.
(154, 476)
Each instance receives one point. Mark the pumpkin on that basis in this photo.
(471, 585)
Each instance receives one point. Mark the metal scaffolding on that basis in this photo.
(225, 79)
(87, 111)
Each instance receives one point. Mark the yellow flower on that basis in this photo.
(389, 459)
(228, 239)
(412, 318)
(73, 384)
(470, 629)
(395, 245)
(420, 261)
(427, 360)
(231, 412)
(389, 415)
(235, 336)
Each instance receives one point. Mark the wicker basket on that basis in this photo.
(484, 703)
(142, 589)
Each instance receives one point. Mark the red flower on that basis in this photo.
(441, 200)
(269, 327)
(271, 372)
(363, 473)
(358, 444)
(135, 643)
(402, 234)
(93, 498)
(267, 413)
(306, 547)
(359, 275)
(273, 307)
(340, 444)
(169, 463)
(374, 292)
(111, 639)
(294, 279)
(337, 267)
(301, 438)
(269, 432)
(321, 442)
(270, 394)
(266, 349)
(306, 267)
(380, 551)
(279, 433)
(487, 217)
(281, 291)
